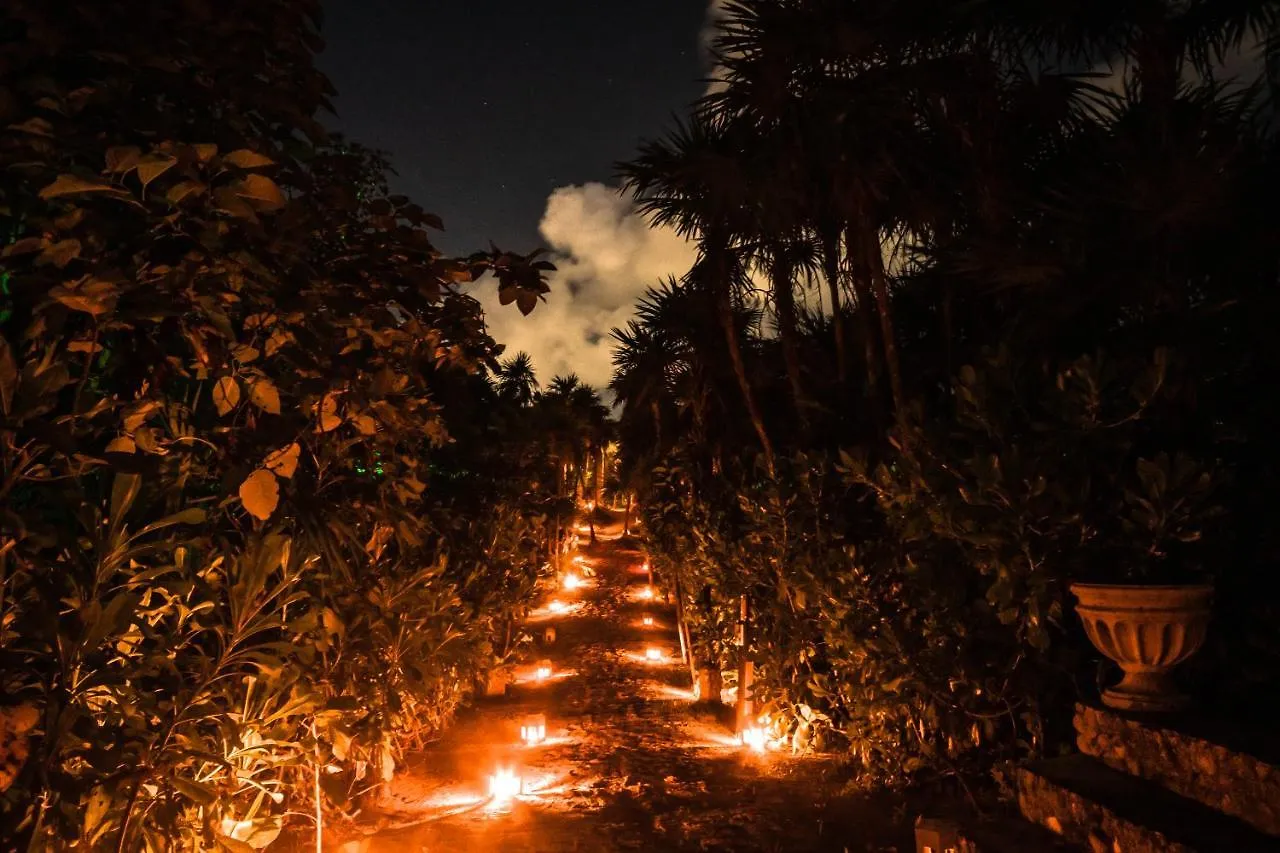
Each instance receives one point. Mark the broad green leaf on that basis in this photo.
(122, 158)
(243, 158)
(226, 394)
(153, 166)
(260, 493)
(261, 191)
(284, 462)
(72, 185)
(264, 395)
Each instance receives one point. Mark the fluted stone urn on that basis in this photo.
(1147, 630)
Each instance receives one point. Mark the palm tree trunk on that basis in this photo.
(880, 287)
(784, 301)
(831, 269)
(724, 312)
(862, 312)
(599, 474)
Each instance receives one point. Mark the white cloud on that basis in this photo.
(606, 255)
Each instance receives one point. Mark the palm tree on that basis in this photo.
(517, 381)
(694, 181)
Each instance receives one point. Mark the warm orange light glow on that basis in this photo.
(504, 784)
(572, 582)
(579, 560)
(653, 653)
(557, 607)
(753, 738)
(646, 592)
(544, 670)
(648, 621)
(533, 730)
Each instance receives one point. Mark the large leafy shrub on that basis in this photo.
(234, 581)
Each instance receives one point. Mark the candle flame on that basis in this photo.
(753, 738)
(504, 784)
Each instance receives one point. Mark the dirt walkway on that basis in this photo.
(629, 762)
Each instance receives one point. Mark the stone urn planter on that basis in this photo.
(1147, 630)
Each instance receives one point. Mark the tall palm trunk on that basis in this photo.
(724, 312)
(884, 308)
(599, 475)
(784, 301)
(866, 329)
(831, 270)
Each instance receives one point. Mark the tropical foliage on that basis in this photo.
(982, 307)
(267, 507)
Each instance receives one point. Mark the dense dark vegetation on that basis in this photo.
(984, 305)
(269, 503)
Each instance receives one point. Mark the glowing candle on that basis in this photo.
(753, 738)
(648, 621)
(534, 729)
(504, 784)
(544, 670)
(646, 592)
(653, 653)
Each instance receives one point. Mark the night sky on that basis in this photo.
(486, 106)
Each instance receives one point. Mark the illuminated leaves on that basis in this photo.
(153, 166)
(66, 185)
(243, 158)
(261, 191)
(327, 413)
(284, 461)
(122, 444)
(263, 394)
(91, 296)
(226, 394)
(260, 492)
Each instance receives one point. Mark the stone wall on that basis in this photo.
(1229, 780)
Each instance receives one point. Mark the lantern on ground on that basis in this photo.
(533, 729)
(648, 621)
(504, 784)
(544, 670)
(653, 653)
(549, 635)
(936, 836)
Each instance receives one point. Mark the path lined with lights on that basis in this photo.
(597, 745)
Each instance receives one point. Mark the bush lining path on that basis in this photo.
(630, 763)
